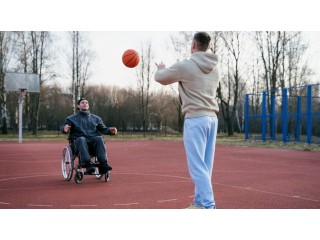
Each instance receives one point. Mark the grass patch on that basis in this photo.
(236, 140)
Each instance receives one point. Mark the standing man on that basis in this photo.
(85, 131)
(198, 79)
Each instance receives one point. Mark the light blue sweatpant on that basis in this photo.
(199, 141)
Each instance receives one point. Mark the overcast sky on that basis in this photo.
(110, 45)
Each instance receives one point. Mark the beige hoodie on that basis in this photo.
(198, 79)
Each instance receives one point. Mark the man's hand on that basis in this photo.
(161, 66)
(113, 131)
(66, 128)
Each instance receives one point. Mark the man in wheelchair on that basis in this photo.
(85, 131)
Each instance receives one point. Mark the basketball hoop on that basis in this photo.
(21, 82)
(22, 92)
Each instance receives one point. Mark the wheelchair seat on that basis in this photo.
(75, 151)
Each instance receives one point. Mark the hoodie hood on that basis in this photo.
(205, 61)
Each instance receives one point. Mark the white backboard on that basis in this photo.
(14, 82)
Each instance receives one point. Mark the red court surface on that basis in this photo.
(153, 174)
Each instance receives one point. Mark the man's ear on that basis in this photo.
(193, 46)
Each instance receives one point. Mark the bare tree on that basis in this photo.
(80, 61)
(23, 55)
(255, 88)
(162, 104)
(180, 44)
(270, 45)
(231, 86)
(6, 42)
(293, 70)
(3, 97)
(281, 54)
(40, 55)
(55, 106)
(144, 75)
(129, 109)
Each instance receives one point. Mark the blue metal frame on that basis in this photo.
(264, 115)
(297, 132)
(285, 116)
(309, 114)
(273, 117)
(246, 117)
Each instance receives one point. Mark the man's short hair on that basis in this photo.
(81, 99)
(202, 40)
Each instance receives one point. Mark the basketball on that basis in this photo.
(130, 58)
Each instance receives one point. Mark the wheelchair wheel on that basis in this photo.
(78, 177)
(107, 176)
(67, 163)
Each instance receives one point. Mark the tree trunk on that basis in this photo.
(3, 97)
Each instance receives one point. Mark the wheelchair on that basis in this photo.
(70, 162)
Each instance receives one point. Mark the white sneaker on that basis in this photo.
(195, 206)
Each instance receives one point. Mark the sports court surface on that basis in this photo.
(152, 174)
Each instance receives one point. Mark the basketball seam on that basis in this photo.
(131, 58)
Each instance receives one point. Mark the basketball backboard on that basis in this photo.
(14, 82)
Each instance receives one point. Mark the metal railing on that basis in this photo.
(289, 114)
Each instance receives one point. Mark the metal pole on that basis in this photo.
(309, 114)
(272, 117)
(22, 91)
(264, 115)
(298, 119)
(246, 119)
(284, 115)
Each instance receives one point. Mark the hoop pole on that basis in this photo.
(22, 91)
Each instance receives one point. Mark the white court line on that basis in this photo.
(4, 203)
(267, 192)
(83, 205)
(168, 200)
(33, 188)
(39, 205)
(246, 188)
(16, 178)
(267, 172)
(159, 175)
(28, 161)
(125, 204)
(143, 183)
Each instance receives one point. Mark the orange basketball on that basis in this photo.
(130, 58)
